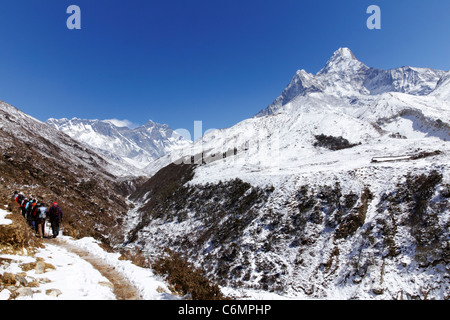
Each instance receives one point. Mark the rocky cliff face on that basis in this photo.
(357, 234)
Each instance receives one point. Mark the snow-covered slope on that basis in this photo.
(325, 193)
(137, 147)
(442, 90)
(345, 99)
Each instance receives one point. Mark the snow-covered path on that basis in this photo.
(82, 270)
(66, 275)
(121, 286)
(77, 270)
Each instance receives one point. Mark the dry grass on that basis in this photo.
(186, 279)
(16, 237)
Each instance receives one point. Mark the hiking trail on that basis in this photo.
(122, 288)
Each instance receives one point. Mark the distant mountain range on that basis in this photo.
(137, 147)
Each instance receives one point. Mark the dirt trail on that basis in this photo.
(122, 288)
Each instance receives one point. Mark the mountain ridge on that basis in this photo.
(136, 147)
(344, 75)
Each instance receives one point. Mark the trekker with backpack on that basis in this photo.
(28, 215)
(23, 207)
(34, 215)
(55, 214)
(18, 198)
(41, 215)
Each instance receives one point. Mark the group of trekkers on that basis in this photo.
(36, 213)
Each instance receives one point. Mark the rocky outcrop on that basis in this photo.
(326, 237)
(17, 238)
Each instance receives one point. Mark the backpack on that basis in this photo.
(19, 198)
(55, 212)
(42, 212)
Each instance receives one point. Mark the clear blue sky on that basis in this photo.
(179, 61)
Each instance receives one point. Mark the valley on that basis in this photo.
(338, 190)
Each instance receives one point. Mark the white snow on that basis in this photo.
(134, 147)
(73, 276)
(4, 221)
(77, 279)
(144, 279)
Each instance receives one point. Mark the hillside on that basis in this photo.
(42, 162)
(339, 189)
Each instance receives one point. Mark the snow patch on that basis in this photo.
(3, 220)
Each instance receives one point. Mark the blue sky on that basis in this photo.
(179, 61)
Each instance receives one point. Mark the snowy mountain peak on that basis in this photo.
(342, 60)
(150, 123)
(346, 77)
(343, 54)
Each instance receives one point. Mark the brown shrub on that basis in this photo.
(186, 279)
